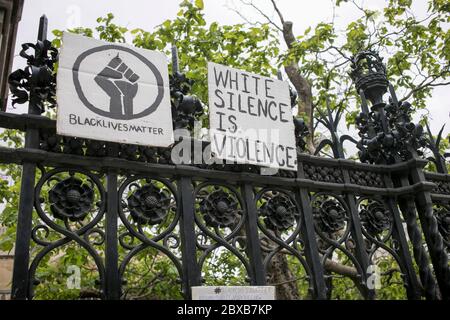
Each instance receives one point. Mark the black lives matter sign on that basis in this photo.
(113, 92)
(250, 118)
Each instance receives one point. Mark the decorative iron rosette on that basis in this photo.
(329, 214)
(49, 141)
(219, 209)
(71, 199)
(149, 204)
(375, 218)
(279, 212)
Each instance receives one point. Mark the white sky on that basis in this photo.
(147, 14)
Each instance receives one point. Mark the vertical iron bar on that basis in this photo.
(253, 244)
(20, 279)
(409, 213)
(311, 248)
(191, 270)
(24, 224)
(309, 238)
(412, 228)
(408, 210)
(356, 231)
(413, 288)
(361, 253)
(112, 281)
(111, 257)
(425, 209)
(350, 199)
(279, 75)
(175, 63)
(43, 26)
(432, 235)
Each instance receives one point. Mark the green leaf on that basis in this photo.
(199, 4)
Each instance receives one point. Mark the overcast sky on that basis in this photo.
(147, 14)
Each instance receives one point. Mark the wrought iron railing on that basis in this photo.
(116, 201)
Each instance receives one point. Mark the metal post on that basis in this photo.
(253, 244)
(112, 281)
(191, 270)
(309, 238)
(361, 253)
(356, 228)
(20, 281)
(408, 210)
(175, 63)
(411, 223)
(350, 199)
(413, 288)
(409, 213)
(421, 257)
(432, 235)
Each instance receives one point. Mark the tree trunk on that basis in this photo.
(301, 85)
(282, 277)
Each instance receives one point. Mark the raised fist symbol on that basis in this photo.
(119, 83)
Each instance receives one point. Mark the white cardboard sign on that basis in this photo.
(113, 92)
(234, 293)
(250, 118)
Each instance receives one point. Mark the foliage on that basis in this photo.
(251, 49)
(9, 191)
(223, 268)
(417, 51)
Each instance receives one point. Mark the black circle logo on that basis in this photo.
(119, 82)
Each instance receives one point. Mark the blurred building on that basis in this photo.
(10, 15)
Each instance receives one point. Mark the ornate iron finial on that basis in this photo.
(369, 75)
(175, 64)
(434, 145)
(36, 83)
(331, 122)
(185, 108)
(388, 135)
(301, 131)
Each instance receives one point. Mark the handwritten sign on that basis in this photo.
(250, 118)
(113, 92)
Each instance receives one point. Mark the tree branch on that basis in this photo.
(277, 11)
(251, 4)
(341, 269)
(425, 84)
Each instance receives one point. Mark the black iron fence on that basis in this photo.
(334, 218)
